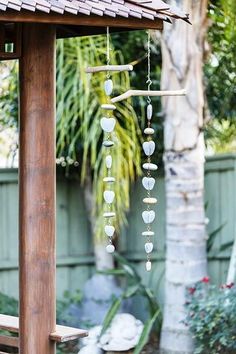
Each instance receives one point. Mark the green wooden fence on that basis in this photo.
(74, 244)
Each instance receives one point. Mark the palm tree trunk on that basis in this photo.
(103, 260)
(186, 259)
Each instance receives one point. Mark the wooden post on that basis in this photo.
(37, 189)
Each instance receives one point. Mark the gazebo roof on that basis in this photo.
(93, 14)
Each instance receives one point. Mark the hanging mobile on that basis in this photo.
(108, 123)
(149, 146)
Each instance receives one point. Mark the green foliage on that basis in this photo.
(78, 122)
(133, 287)
(211, 317)
(8, 305)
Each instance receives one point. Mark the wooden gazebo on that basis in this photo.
(31, 27)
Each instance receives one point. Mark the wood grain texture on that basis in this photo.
(37, 190)
(9, 341)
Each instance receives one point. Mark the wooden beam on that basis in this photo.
(37, 189)
(79, 20)
(9, 341)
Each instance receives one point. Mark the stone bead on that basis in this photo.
(108, 107)
(148, 266)
(150, 200)
(108, 143)
(148, 233)
(109, 179)
(108, 161)
(109, 215)
(149, 131)
(110, 249)
(149, 111)
(150, 166)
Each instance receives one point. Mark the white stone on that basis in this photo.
(108, 143)
(108, 161)
(149, 111)
(108, 87)
(110, 249)
(109, 179)
(109, 196)
(149, 147)
(148, 216)
(150, 200)
(108, 124)
(148, 233)
(148, 247)
(122, 335)
(109, 230)
(149, 131)
(109, 214)
(91, 349)
(148, 266)
(150, 166)
(93, 337)
(148, 183)
(108, 107)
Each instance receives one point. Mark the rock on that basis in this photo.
(108, 107)
(110, 248)
(148, 216)
(148, 183)
(91, 349)
(109, 179)
(108, 124)
(123, 334)
(149, 131)
(150, 166)
(93, 336)
(148, 266)
(149, 111)
(109, 196)
(108, 87)
(108, 161)
(148, 247)
(148, 233)
(109, 230)
(150, 200)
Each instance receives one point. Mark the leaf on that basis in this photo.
(111, 314)
(131, 290)
(129, 269)
(213, 235)
(146, 333)
(112, 272)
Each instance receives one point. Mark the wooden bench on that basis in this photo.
(62, 334)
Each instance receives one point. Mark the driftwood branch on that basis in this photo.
(119, 68)
(131, 93)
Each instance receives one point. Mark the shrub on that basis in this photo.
(211, 317)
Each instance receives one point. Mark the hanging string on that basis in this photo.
(108, 50)
(149, 81)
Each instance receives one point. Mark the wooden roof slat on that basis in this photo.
(149, 9)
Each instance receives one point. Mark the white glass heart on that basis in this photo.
(148, 247)
(109, 230)
(109, 196)
(148, 216)
(149, 147)
(148, 183)
(110, 249)
(108, 161)
(108, 124)
(108, 87)
(149, 112)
